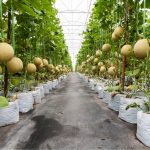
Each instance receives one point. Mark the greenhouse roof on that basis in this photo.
(74, 15)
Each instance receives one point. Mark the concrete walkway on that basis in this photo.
(70, 118)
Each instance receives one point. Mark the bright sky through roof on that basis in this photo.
(74, 15)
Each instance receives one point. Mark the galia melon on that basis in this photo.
(31, 68)
(45, 62)
(6, 52)
(141, 48)
(15, 65)
(37, 61)
(106, 47)
(102, 69)
(126, 50)
(119, 31)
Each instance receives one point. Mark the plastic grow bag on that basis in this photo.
(9, 114)
(106, 96)
(143, 127)
(41, 90)
(114, 103)
(25, 101)
(129, 115)
(37, 96)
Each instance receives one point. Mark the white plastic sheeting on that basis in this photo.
(114, 103)
(9, 114)
(143, 128)
(25, 101)
(129, 115)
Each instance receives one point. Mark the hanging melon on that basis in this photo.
(100, 64)
(114, 37)
(119, 32)
(37, 61)
(98, 53)
(106, 47)
(31, 68)
(93, 68)
(141, 48)
(126, 50)
(1, 70)
(96, 60)
(112, 70)
(6, 52)
(102, 69)
(15, 65)
(45, 62)
(40, 66)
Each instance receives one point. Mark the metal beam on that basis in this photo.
(72, 25)
(73, 12)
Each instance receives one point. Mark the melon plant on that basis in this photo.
(3, 102)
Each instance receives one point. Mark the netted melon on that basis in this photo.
(37, 61)
(114, 37)
(45, 62)
(126, 50)
(6, 52)
(15, 65)
(119, 31)
(31, 68)
(112, 70)
(96, 60)
(106, 47)
(141, 48)
(102, 69)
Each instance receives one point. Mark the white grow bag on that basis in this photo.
(41, 90)
(46, 88)
(114, 103)
(129, 115)
(25, 101)
(50, 85)
(143, 128)
(37, 96)
(55, 83)
(106, 96)
(9, 114)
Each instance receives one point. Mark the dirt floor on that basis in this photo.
(72, 117)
